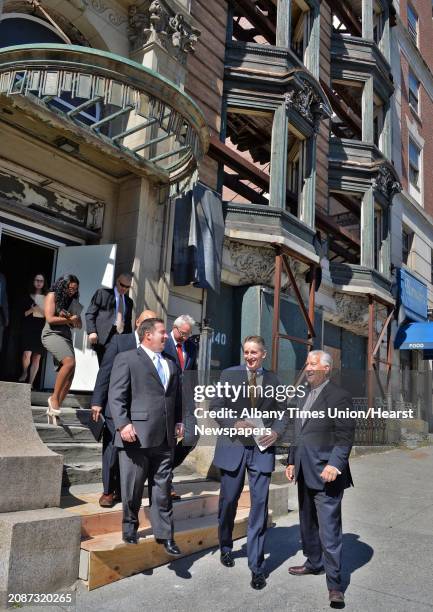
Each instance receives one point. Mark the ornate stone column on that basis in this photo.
(161, 36)
(367, 229)
(368, 111)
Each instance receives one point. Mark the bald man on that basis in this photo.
(110, 459)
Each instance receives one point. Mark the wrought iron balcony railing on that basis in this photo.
(124, 104)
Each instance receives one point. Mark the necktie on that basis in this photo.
(252, 389)
(308, 404)
(180, 355)
(160, 368)
(119, 317)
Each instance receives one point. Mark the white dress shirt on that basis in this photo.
(154, 356)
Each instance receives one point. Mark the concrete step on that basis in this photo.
(51, 434)
(78, 453)
(75, 400)
(69, 416)
(82, 474)
(106, 558)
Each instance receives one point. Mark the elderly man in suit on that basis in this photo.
(100, 406)
(109, 313)
(145, 405)
(319, 462)
(181, 348)
(236, 455)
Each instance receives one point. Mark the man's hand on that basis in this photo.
(96, 413)
(179, 430)
(93, 338)
(243, 425)
(329, 474)
(268, 439)
(128, 433)
(290, 473)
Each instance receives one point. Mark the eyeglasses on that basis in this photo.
(183, 334)
(124, 286)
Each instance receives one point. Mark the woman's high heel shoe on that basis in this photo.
(52, 413)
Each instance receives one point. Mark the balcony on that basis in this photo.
(270, 226)
(261, 77)
(113, 113)
(355, 59)
(355, 279)
(355, 166)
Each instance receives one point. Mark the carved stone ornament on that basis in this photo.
(351, 310)
(386, 183)
(254, 265)
(307, 103)
(157, 21)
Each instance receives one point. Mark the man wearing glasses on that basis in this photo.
(109, 313)
(180, 346)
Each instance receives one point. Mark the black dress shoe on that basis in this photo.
(130, 539)
(258, 581)
(226, 559)
(171, 548)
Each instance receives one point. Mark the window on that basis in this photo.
(412, 23)
(414, 165)
(413, 92)
(406, 243)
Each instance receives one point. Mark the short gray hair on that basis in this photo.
(184, 319)
(325, 358)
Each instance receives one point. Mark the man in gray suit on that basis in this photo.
(146, 409)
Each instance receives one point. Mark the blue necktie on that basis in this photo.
(160, 368)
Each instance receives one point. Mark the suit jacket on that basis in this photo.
(101, 312)
(229, 450)
(190, 350)
(323, 441)
(118, 344)
(136, 395)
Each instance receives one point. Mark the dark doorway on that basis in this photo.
(21, 260)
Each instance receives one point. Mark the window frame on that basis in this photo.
(406, 244)
(412, 28)
(414, 94)
(412, 167)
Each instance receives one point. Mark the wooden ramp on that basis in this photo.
(105, 558)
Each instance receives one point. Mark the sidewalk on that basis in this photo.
(388, 555)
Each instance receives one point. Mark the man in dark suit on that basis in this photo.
(319, 462)
(234, 455)
(109, 313)
(184, 352)
(100, 406)
(145, 405)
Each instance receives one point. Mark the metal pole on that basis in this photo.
(276, 319)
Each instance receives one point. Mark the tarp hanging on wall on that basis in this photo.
(198, 239)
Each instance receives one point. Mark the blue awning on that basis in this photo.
(415, 336)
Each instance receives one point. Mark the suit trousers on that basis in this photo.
(232, 484)
(321, 530)
(110, 459)
(135, 464)
(101, 348)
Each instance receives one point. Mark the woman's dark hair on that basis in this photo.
(60, 289)
(31, 286)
